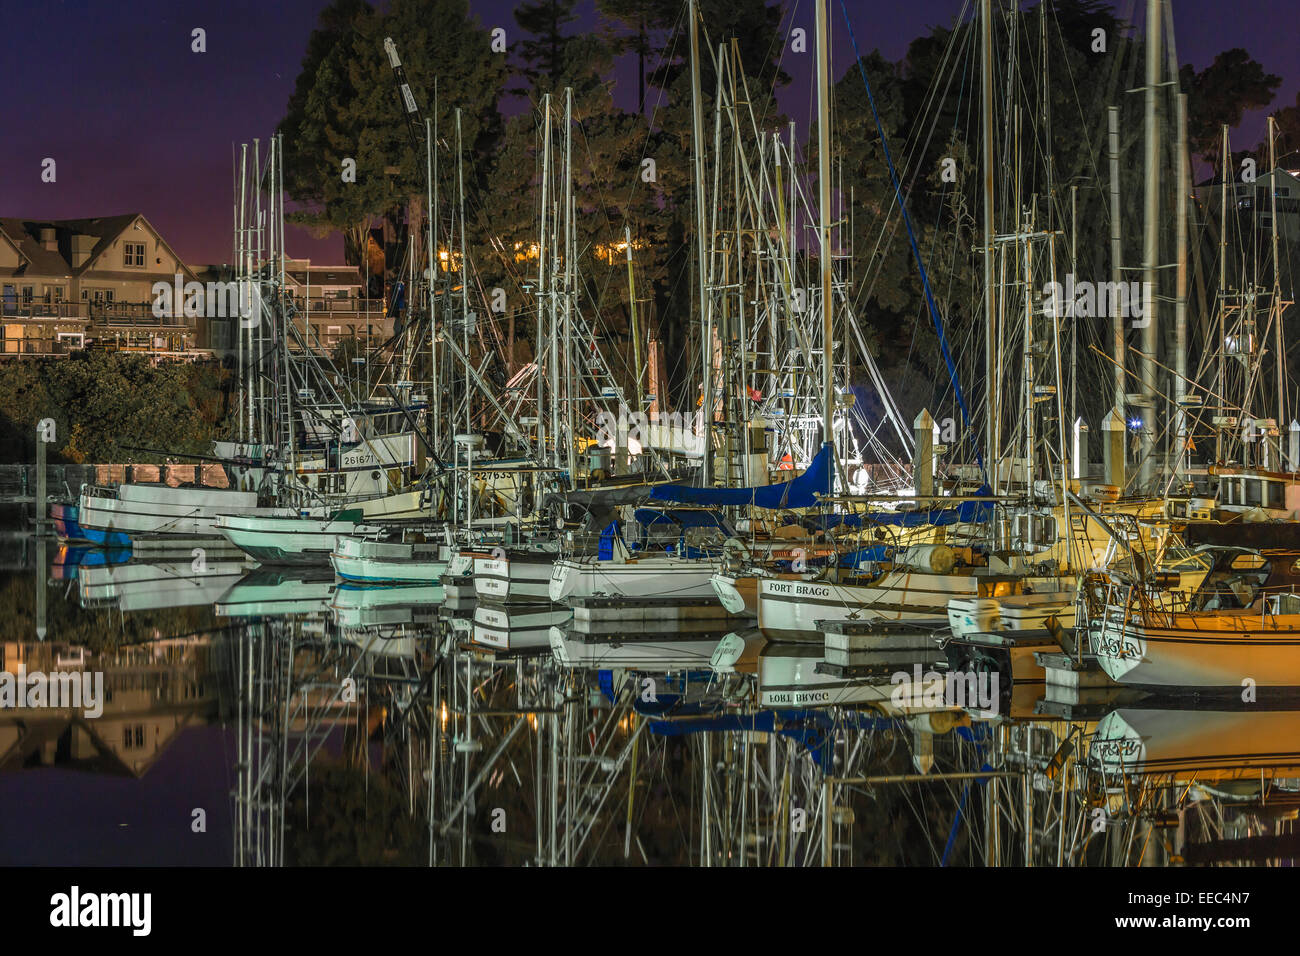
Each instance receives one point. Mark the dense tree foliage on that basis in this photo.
(106, 404)
(345, 104)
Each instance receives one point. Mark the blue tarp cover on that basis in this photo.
(968, 512)
(800, 492)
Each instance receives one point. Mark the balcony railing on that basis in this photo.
(351, 304)
(142, 314)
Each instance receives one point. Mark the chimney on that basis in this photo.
(81, 249)
(49, 240)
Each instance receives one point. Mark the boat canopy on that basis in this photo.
(800, 492)
(680, 518)
(968, 512)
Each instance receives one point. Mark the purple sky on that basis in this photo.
(136, 122)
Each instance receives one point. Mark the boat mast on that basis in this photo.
(245, 266)
(1223, 292)
(1116, 257)
(706, 327)
(431, 186)
(823, 221)
(1180, 459)
(1151, 241)
(541, 278)
(990, 333)
(1277, 305)
(569, 279)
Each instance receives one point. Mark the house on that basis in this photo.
(68, 283)
(1252, 203)
(333, 306)
(331, 303)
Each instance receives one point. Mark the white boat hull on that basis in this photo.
(284, 539)
(144, 587)
(162, 510)
(1224, 651)
(375, 562)
(513, 577)
(660, 655)
(1195, 744)
(515, 628)
(635, 578)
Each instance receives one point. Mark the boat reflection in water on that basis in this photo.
(583, 725)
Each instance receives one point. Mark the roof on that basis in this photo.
(25, 234)
(1263, 174)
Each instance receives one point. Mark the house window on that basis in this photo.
(29, 293)
(134, 254)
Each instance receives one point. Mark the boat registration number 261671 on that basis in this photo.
(796, 589)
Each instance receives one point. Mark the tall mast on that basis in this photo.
(1223, 290)
(255, 262)
(1181, 459)
(1277, 281)
(823, 217)
(1116, 256)
(245, 267)
(431, 138)
(1151, 240)
(990, 335)
(569, 267)
(464, 324)
(697, 149)
(541, 276)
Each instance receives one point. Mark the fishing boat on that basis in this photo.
(1197, 744)
(117, 515)
(517, 628)
(287, 538)
(1239, 629)
(366, 558)
(265, 592)
(63, 514)
(356, 606)
(137, 586)
(660, 653)
(515, 575)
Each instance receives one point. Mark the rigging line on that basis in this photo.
(886, 216)
(911, 237)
